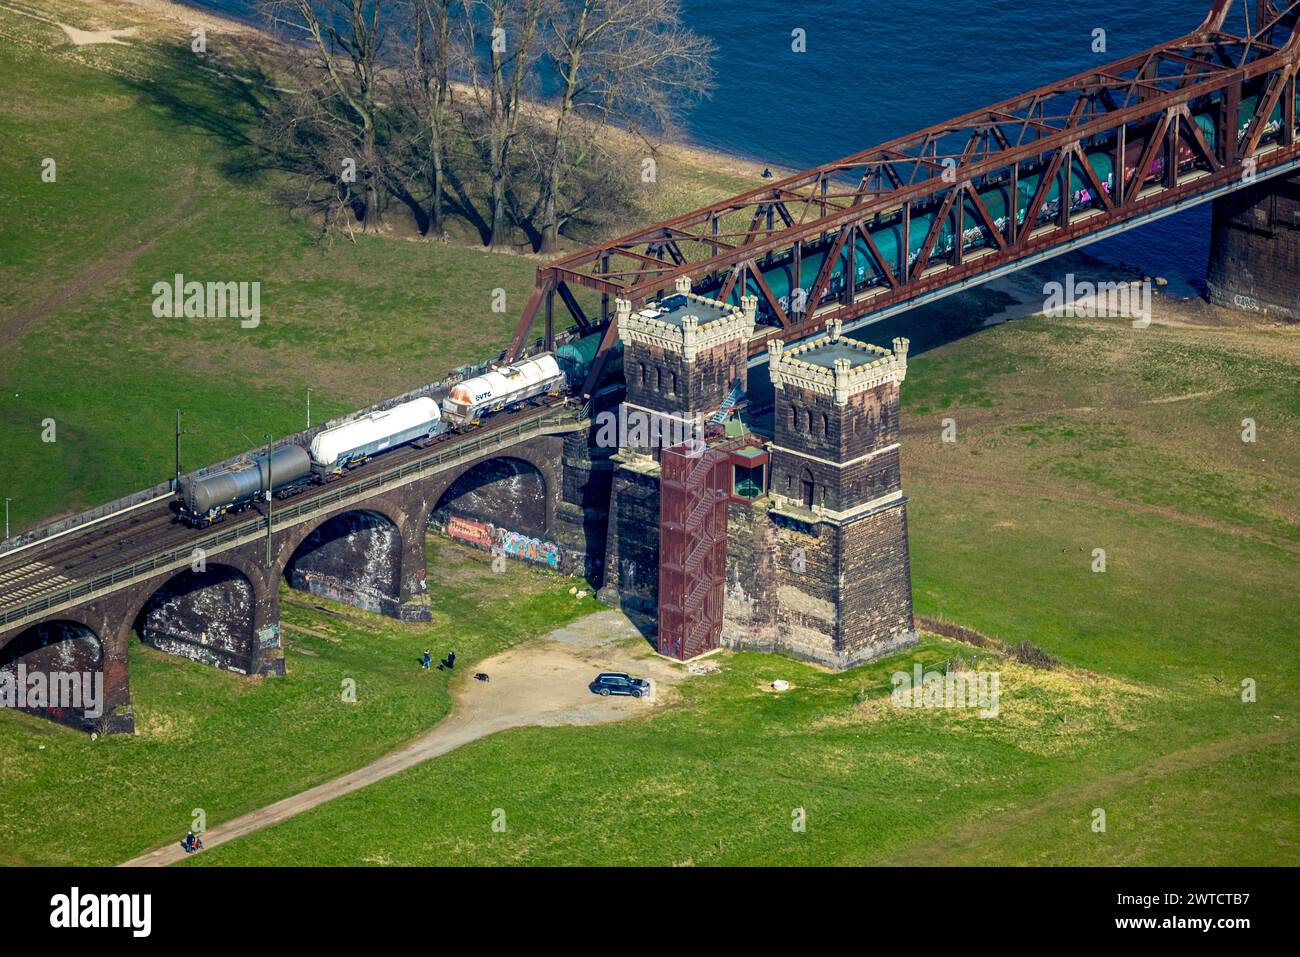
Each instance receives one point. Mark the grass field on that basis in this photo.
(1072, 435)
(228, 744)
(1065, 444)
(156, 175)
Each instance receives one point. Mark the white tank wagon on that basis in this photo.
(205, 499)
(501, 388)
(349, 445)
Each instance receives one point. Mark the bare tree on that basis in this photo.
(627, 62)
(505, 33)
(301, 137)
(431, 55)
(346, 37)
(528, 143)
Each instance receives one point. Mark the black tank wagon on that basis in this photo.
(206, 499)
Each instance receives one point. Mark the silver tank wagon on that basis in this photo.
(207, 496)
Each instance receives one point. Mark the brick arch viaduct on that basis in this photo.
(215, 597)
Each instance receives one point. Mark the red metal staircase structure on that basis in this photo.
(693, 496)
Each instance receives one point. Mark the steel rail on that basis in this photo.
(567, 418)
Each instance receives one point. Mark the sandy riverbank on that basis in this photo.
(164, 10)
(112, 21)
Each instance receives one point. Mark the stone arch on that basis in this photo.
(58, 666)
(354, 557)
(507, 490)
(207, 614)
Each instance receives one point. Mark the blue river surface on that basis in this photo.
(872, 71)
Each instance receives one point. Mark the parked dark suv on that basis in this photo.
(615, 682)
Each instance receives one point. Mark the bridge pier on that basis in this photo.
(1255, 249)
(413, 601)
(119, 715)
(582, 508)
(92, 639)
(816, 563)
(631, 579)
(225, 613)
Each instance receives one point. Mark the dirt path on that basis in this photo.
(542, 682)
(987, 830)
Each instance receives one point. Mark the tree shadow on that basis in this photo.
(211, 100)
(236, 105)
(458, 197)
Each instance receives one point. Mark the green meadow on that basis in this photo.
(1066, 444)
(227, 744)
(1073, 436)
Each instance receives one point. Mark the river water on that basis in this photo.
(871, 71)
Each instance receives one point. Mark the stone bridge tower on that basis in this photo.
(1255, 249)
(842, 580)
(683, 357)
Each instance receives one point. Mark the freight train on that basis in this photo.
(354, 443)
(207, 499)
(498, 389)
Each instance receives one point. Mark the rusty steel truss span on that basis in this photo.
(961, 201)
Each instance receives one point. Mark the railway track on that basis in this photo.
(35, 570)
(80, 557)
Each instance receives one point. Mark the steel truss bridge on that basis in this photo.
(964, 201)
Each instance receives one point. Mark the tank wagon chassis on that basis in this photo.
(205, 500)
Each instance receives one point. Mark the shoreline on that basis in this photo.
(711, 159)
(715, 160)
(162, 15)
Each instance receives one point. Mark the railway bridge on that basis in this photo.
(1210, 116)
(69, 602)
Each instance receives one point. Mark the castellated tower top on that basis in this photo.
(686, 324)
(833, 365)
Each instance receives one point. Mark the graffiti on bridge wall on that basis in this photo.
(532, 549)
(515, 544)
(469, 531)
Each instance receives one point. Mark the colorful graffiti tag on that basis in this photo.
(468, 530)
(502, 541)
(532, 549)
